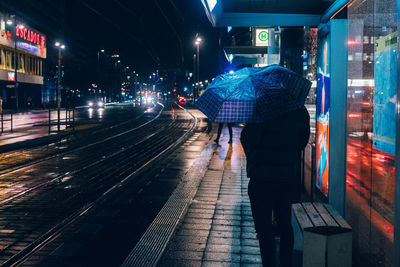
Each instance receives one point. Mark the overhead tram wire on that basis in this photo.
(177, 10)
(140, 22)
(172, 28)
(154, 58)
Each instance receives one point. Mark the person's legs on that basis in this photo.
(261, 207)
(230, 132)
(282, 213)
(220, 126)
(209, 126)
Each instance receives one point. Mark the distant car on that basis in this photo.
(95, 104)
(182, 101)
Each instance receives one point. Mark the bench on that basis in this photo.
(322, 235)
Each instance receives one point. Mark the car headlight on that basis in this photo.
(90, 103)
(100, 104)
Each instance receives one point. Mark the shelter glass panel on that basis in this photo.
(372, 82)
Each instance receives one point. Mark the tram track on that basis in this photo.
(82, 165)
(28, 163)
(100, 180)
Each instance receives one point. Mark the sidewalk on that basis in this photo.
(218, 229)
(32, 127)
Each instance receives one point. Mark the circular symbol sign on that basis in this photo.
(263, 36)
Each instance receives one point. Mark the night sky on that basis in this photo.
(147, 34)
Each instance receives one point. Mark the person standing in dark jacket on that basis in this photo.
(273, 151)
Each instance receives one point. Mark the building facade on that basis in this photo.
(22, 55)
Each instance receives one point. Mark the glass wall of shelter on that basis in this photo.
(371, 129)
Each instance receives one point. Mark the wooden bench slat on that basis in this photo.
(301, 216)
(329, 220)
(314, 215)
(339, 219)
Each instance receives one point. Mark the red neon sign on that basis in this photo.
(42, 44)
(28, 35)
(31, 36)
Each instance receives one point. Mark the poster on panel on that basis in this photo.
(385, 75)
(323, 105)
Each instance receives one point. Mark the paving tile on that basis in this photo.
(193, 232)
(197, 220)
(247, 218)
(250, 258)
(248, 223)
(198, 226)
(191, 239)
(188, 246)
(225, 211)
(217, 256)
(203, 211)
(223, 248)
(227, 217)
(228, 228)
(224, 234)
(248, 235)
(224, 241)
(183, 255)
(250, 242)
(201, 205)
(248, 229)
(250, 250)
(199, 215)
(226, 222)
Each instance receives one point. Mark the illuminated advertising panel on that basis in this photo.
(384, 125)
(11, 76)
(323, 105)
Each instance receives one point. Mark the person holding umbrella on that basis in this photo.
(270, 101)
(273, 155)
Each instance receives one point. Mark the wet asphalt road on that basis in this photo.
(44, 190)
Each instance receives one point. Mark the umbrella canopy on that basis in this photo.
(253, 94)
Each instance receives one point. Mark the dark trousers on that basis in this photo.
(209, 126)
(220, 126)
(266, 197)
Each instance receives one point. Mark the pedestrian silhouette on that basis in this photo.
(220, 126)
(273, 152)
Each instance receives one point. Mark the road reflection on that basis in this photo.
(370, 185)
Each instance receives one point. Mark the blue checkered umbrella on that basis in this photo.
(253, 94)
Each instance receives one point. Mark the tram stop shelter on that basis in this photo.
(348, 50)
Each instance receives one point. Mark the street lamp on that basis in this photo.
(60, 47)
(197, 42)
(9, 22)
(98, 67)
